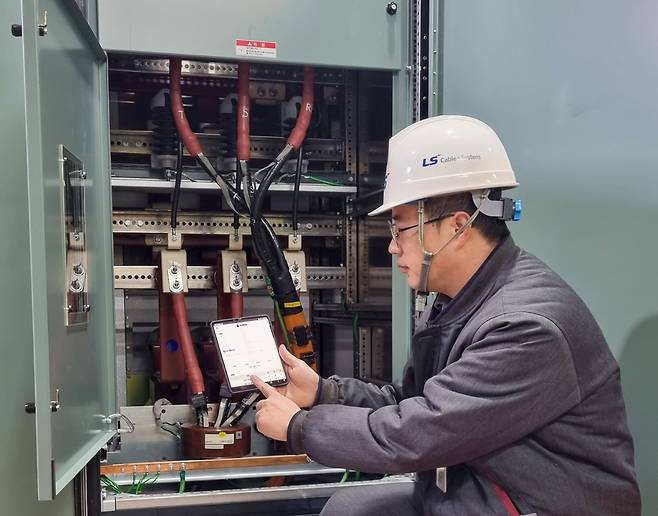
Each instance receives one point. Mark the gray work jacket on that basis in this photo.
(510, 382)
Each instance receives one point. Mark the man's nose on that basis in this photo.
(394, 248)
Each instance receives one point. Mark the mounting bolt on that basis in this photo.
(77, 268)
(175, 285)
(75, 284)
(174, 269)
(17, 32)
(392, 8)
(30, 407)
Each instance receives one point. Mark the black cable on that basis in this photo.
(269, 251)
(267, 182)
(283, 264)
(228, 190)
(177, 186)
(241, 409)
(248, 186)
(238, 182)
(262, 233)
(295, 195)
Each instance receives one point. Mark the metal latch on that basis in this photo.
(31, 407)
(17, 28)
(54, 404)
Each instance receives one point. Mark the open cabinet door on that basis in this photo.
(69, 201)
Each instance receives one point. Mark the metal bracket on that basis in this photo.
(267, 92)
(295, 242)
(108, 420)
(173, 265)
(156, 240)
(234, 271)
(297, 266)
(76, 240)
(174, 240)
(235, 242)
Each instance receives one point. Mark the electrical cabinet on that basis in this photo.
(87, 178)
(100, 160)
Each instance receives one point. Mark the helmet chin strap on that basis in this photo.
(427, 255)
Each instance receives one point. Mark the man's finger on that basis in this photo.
(266, 389)
(259, 405)
(287, 356)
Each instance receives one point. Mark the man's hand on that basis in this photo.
(303, 381)
(273, 414)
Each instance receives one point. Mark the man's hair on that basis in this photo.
(492, 229)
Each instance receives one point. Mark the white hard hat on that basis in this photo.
(444, 155)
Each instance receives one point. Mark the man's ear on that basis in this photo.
(459, 219)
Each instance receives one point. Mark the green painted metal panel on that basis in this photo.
(18, 480)
(339, 33)
(571, 89)
(401, 293)
(66, 104)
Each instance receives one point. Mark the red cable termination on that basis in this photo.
(192, 370)
(305, 111)
(243, 112)
(178, 110)
(237, 304)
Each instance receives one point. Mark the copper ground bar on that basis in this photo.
(190, 465)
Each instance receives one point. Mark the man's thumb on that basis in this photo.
(287, 356)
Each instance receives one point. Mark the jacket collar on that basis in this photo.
(447, 311)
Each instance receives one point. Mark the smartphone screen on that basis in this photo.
(247, 347)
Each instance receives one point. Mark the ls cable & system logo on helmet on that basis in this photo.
(439, 158)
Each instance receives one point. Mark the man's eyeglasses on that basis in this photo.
(395, 230)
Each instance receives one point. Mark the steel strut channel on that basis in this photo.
(205, 186)
(136, 142)
(157, 222)
(229, 496)
(203, 277)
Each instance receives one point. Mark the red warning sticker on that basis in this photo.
(253, 48)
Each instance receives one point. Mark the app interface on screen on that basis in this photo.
(248, 347)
